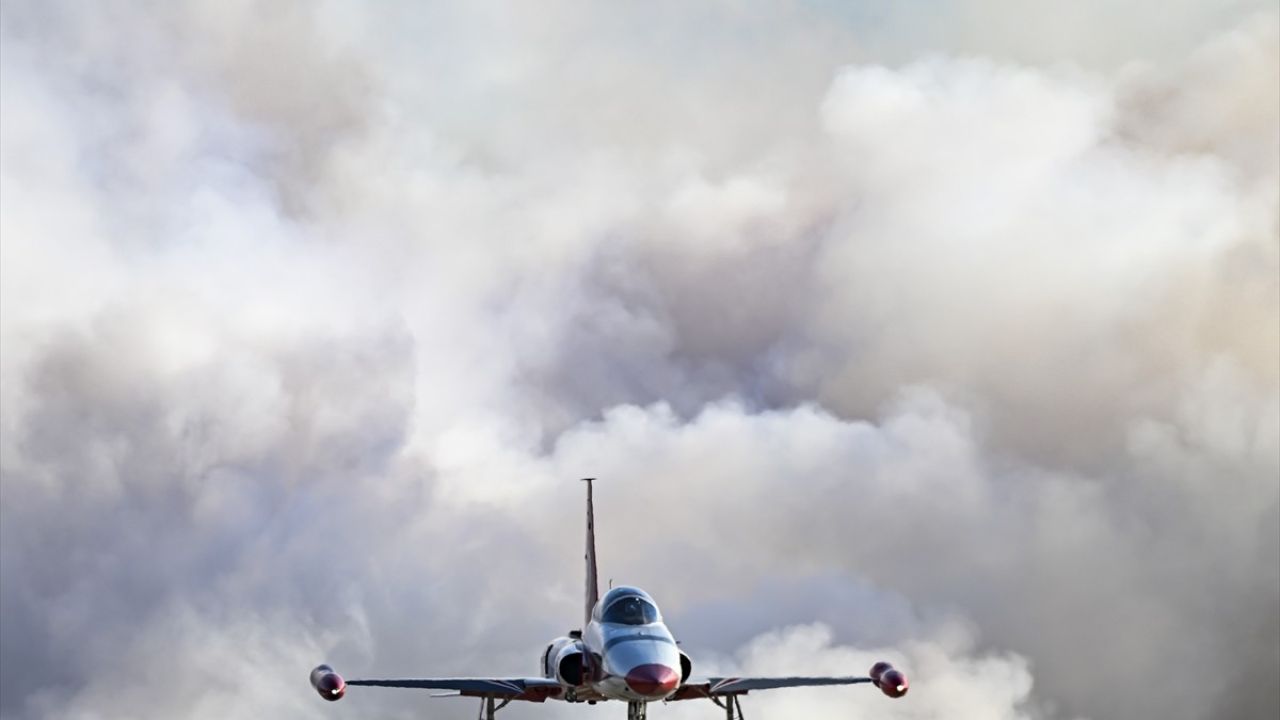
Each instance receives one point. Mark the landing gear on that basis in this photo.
(732, 708)
(489, 707)
(637, 710)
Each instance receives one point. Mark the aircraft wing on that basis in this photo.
(891, 681)
(717, 687)
(534, 689)
(331, 686)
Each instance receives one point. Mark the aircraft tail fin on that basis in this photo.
(593, 584)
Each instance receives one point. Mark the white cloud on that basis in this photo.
(310, 317)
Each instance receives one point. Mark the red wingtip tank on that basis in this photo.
(890, 680)
(328, 683)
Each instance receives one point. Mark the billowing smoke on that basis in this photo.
(946, 335)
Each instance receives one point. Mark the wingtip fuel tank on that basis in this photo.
(328, 683)
(890, 680)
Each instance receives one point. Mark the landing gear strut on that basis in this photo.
(732, 708)
(489, 707)
(637, 710)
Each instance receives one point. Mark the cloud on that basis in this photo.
(950, 342)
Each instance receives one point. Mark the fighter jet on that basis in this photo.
(624, 652)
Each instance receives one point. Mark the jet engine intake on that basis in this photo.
(569, 666)
(890, 680)
(686, 668)
(328, 683)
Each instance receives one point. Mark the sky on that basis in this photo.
(945, 332)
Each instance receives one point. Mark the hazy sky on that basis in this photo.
(944, 332)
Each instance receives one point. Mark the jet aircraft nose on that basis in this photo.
(652, 680)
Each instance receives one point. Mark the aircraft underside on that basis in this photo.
(489, 706)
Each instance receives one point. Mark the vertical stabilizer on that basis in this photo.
(593, 585)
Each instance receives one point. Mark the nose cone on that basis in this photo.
(652, 680)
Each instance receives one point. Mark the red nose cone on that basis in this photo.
(894, 684)
(652, 680)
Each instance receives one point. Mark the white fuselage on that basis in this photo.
(625, 652)
(636, 662)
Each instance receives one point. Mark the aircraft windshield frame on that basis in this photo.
(630, 610)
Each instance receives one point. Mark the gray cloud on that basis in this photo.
(951, 337)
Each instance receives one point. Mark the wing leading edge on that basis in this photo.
(715, 687)
(480, 686)
(892, 682)
(331, 686)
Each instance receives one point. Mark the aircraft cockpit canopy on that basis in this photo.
(628, 606)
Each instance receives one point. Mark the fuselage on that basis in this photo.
(626, 652)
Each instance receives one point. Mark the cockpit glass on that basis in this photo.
(631, 611)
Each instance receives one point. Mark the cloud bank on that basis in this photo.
(948, 334)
